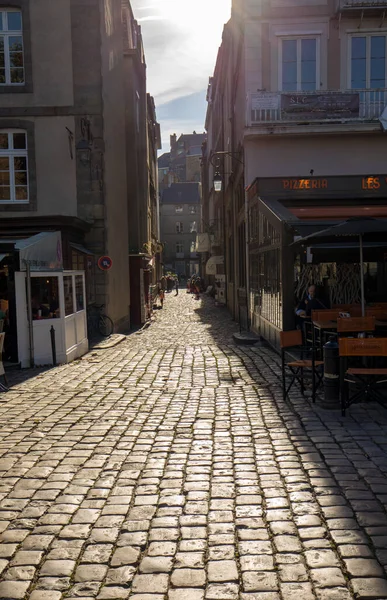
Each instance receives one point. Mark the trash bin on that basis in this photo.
(331, 374)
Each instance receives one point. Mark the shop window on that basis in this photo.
(45, 297)
(11, 48)
(13, 167)
(79, 293)
(68, 295)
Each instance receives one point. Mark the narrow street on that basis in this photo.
(169, 468)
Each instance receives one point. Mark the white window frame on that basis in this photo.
(179, 227)
(6, 34)
(11, 154)
(367, 35)
(298, 38)
(179, 208)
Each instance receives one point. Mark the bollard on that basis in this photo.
(53, 345)
(331, 374)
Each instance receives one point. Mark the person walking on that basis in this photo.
(177, 286)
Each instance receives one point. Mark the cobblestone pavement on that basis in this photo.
(169, 468)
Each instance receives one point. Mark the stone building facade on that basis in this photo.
(65, 90)
(298, 91)
(180, 214)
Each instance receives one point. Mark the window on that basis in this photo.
(192, 226)
(193, 247)
(79, 296)
(68, 295)
(179, 247)
(299, 64)
(13, 167)
(179, 208)
(44, 298)
(11, 48)
(192, 210)
(179, 227)
(368, 61)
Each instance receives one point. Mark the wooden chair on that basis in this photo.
(378, 313)
(292, 340)
(3, 388)
(355, 325)
(366, 381)
(353, 309)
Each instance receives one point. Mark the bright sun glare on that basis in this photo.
(192, 50)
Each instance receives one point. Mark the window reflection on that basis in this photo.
(45, 298)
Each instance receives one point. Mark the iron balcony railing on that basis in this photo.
(325, 106)
(365, 5)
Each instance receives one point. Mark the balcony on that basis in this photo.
(316, 108)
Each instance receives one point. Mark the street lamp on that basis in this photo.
(218, 182)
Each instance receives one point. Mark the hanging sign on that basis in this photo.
(105, 263)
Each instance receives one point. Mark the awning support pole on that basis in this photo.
(362, 276)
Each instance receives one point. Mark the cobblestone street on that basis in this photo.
(169, 468)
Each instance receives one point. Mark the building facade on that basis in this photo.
(65, 111)
(179, 221)
(183, 162)
(296, 99)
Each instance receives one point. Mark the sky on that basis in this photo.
(181, 40)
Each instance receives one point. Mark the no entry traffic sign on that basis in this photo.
(105, 263)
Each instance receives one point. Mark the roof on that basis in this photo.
(164, 160)
(181, 193)
(192, 139)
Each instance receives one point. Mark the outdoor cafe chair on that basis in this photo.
(292, 344)
(378, 312)
(359, 382)
(2, 371)
(349, 325)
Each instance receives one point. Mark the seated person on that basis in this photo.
(309, 303)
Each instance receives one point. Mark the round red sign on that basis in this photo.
(105, 263)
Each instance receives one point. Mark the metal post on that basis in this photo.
(362, 276)
(29, 315)
(53, 345)
(247, 260)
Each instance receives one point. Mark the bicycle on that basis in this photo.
(98, 322)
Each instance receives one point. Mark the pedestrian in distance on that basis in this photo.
(161, 294)
(177, 286)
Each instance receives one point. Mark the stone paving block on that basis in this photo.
(296, 591)
(13, 590)
(57, 568)
(158, 564)
(44, 595)
(149, 584)
(363, 567)
(187, 594)
(222, 571)
(367, 588)
(225, 591)
(259, 581)
(327, 577)
(188, 578)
